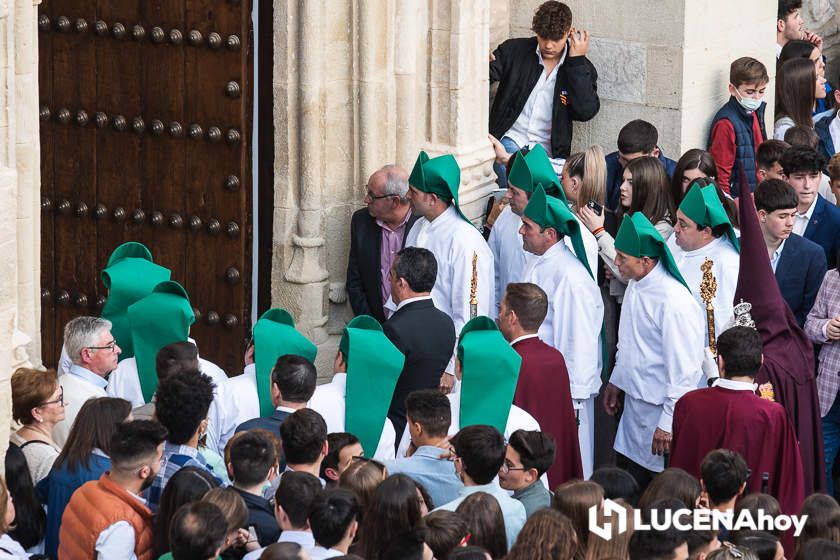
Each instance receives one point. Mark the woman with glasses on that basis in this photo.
(38, 404)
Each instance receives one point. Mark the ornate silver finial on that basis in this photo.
(742, 315)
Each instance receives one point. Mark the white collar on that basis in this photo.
(445, 216)
(810, 210)
(709, 247)
(339, 380)
(406, 301)
(778, 252)
(724, 383)
(523, 337)
(562, 58)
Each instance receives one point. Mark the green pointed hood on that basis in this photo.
(489, 372)
(703, 207)
(532, 169)
(547, 211)
(129, 276)
(162, 317)
(638, 238)
(440, 176)
(275, 336)
(374, 365)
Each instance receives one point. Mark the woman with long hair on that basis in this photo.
(585, 177)
(618, 543)
(485, 522)
(363, 477)
(699, 164)
(547, 535)
(395, 509)
(823, 519)
(798, 86)
(84, 457)
(30, 519)
(573, 499)
(38, 404)
(806, 49)
(187, 485)
(672, 483)
(238, 541)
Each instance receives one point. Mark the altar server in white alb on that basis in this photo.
(367, 367)
(275, 336)
(703, 231)
(575, 308)
(161, 318)
(661, 337)
(453, 239)
(511, 259)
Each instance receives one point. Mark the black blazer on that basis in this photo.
(364, 278)
(426, 336)
(799, 273)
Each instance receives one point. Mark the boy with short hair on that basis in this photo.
(833, 169)
(767, 158)
(528, 456)
(738, 127)
(253, 463)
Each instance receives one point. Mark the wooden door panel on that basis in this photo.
(153, 146)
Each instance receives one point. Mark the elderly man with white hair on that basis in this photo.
(93, 354)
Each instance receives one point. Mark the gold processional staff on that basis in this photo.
(708, 289)
(474, 287)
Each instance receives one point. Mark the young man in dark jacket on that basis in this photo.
(545, 82)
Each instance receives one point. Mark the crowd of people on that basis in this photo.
(625, 335)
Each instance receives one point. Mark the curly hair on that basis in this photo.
(547, 535)
(182, 402)
(552, 20)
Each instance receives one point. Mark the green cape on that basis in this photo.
(440, 176)
(129, 276)
(160, 318)
(489, 371)
(547, 211)
(374, 365)
(638, 238)
(703, 207)
(275, 336)
(532, 169)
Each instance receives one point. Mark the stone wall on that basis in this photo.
(822, 17)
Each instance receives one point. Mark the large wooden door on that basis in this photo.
(145, 136)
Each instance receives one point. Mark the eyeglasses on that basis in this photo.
(372, 196)
(112, 346)
(59, 400)
(507, 467)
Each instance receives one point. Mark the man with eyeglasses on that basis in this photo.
(93, 353)
(377, 233)
(528, 456)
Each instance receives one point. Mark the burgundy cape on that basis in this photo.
(788, 354)
(759, 430)
(543, 391)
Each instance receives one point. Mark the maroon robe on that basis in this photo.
(788, 354)
(543, 391)
(759, 430)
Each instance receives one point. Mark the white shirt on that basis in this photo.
(303, 538)
(735, 385)
(406, 301)
(575, 316)
(319, 553)
(78, 389)
(800, 221)
(533, 126)
(124, 383)
(727, 262)
(329, 401)
(511, 260)
(117, 541)
(834, 130)
(243, 395)
(661, 336)
(15, 550)
(777, 254)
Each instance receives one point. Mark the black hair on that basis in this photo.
(393, 510)
(671, 483)
(336, 442)
(444, 531)
(818, 549)
(187, 485)
(787, 7)
(481, 450)
(774, 194)
(198, 530)
(303, 434)
(740, 348)
(762, 543)
(418, 267)
(468, 553)
(251, 456)
(431, 409)
(698, 540)
(800, 159)
(295, 494)
(330, 515)
(295, 377)
(135, 441)
(637, 136)
(617, 484)
(770, 152)
(175, 358)
(723, 471)
(656, 544)
(536, 449)
(182, 402)
(93, 428)
(30, 517)
(405, 546)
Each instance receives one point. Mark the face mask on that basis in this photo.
(748, 103)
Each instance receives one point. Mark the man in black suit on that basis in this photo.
(423, 333)
(798, 263)
(377, 232)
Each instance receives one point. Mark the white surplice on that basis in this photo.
(661, 337)
(727, 262)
